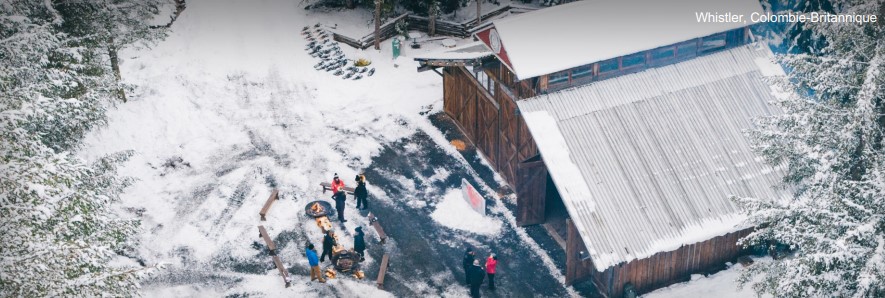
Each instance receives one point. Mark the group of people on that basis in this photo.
(340, 196)
(329, 240)
(476, 274)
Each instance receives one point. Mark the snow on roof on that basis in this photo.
(473, 50)
(578, 33)
(658, 152)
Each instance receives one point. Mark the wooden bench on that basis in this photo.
(275, 195)
(283, 272)
(328, 186)
(374, 222)
(262, 232)
(385, 262)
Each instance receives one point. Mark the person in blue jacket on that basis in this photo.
(315, 272)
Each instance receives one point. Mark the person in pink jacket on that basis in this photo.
(491, 263)
(337, 184)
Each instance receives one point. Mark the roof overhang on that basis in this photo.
(466, 55)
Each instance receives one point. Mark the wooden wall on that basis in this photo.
(494, 126)
(657, 271)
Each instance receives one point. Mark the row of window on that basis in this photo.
(484, 80)
(657, 56)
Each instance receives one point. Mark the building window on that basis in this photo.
(608, 65)
(485, 81)
(713, 42)
(663, 53)
(687, 49)
(558, 78)
(490, 85)
(634, 60)
(582, 72)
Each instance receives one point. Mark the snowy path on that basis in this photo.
(229, 107)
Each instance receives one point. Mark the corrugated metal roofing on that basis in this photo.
(582, 32)
(659, 151)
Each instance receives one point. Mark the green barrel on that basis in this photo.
(396, 47)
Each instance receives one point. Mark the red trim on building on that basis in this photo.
(501, 53)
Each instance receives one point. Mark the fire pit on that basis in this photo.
(345, 261)
(317, 209)
(320, 210)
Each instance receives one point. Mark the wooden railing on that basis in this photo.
(421, 23)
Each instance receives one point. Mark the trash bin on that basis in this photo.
(396, 48)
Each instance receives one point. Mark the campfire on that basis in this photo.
(317, 208)
(345, 261)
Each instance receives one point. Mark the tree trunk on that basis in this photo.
(348, 4)
(377, 24)
(431, 30)
(478, 12)
(115, 67)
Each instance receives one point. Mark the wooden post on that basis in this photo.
(431, 30)
(478, 12)
(378, 24)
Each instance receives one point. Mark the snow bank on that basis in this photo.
(720, 285)
(454, 212)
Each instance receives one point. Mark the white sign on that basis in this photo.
(495, 41)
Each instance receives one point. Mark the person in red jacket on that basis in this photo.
(491, 263)
(337, 184)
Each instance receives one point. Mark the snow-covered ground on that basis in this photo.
(719, 285)
(229, 107)
(454, 212)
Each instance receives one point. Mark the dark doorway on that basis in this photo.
(555, 213)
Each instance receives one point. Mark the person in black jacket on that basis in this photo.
(359, 242)
(340, 198)
(475, 278)
(361, 193)
(328, 244)
(467, 262)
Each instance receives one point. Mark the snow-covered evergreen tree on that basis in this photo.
(58, 231)
(829, 141)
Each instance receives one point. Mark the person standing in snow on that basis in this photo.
(491, 264)
(361, 193)
(475, 278)
(315, 272)
(328, 244)
(337, 184)
(359, 242)
(340, 198)
(467, 262)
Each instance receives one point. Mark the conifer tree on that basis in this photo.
(829, 142)
(58, 228)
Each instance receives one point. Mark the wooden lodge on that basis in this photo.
(625, 139)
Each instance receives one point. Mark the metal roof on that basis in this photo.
(646, 162)
(582, 32)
